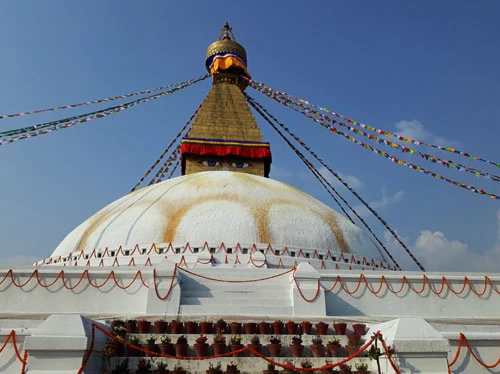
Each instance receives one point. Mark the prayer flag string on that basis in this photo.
(446, 163)
(266, 89)
(98, 100)
(261, 110)
(11, 136)
(179, 134)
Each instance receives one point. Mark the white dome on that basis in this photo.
(218, 207)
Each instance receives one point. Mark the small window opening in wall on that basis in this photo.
(177, 250)
(320, 257)
(292, 254)
(127, 252)
(196, 250)
(212, 250)
(113, 253)
(245, 251)
(308, 255)
(261, 251)
(376, 266)
(86, 257)
(346, 260)
(359, 262)
(99, 255)
(143, 251)
(277, 253)
(160, 251)
(334, 258)
(75, 258)
(229, 250)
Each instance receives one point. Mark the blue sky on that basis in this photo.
(424, 69)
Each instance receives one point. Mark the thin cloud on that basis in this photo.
(353, 181)
(384, 201)
(415, 130)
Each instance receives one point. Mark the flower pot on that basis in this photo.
(277, 328)
(354, 338)
(351, 349)
(166, 349)
(161, 327)
(235, 347)
(255, 347)
(250, 328)
(274, 350)
(235, 328)
(181, 350)
(201, 349)
(218, 348)
(269, 371)
(220, 327)
(143, 326)
(296, 350)
(322, 328)
(264, 328)
(334, 349)
(150, 347)
(191, 327)
(318, 350)
(158, 371)
(210, 371)
(292, 328)
(206, 327)
(359, 328)
(306, 327)
(131, 326)
(133, 352)
(178, 372)
(340, 328)
(175, 327)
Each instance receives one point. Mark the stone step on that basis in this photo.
(242, 310)
(231, 300)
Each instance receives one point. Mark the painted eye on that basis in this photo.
(211, 163)
(240, 165)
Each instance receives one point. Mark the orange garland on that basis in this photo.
(24, 361)
(462, 340)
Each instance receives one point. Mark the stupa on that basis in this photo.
(226, 241)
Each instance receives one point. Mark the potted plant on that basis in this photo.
(206, 326)
(191, 327)
(131, 326)
(296, 347)
(254, 345)
(250, 328)
(361, 367)
(306, 363)
(264, 327)
(132, 351)
(160, 326)
(121, 367)
(292, 327)
(143, 366)
(176, 326)
(355, 338)
(277, 327)
(274, 346)
(232, 368)
(317, 348)
(306, 327)
(165, 345)
(340, 328)
(161, 367)
(235, 327)
(214, 369)
(143, 326)
(178, 369)
(108, 351)
(322, 328)
(201, 346)
(352, 347)
(344, 368)
(271, 369)
(359, 328)
(235, 345)
(334, 346)
(220, 326)
(328, 370)
(219, 344)
(150, 345)
(118, 330)
(181, 346)
(288, 367)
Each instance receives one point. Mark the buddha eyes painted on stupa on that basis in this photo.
(234, 164)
